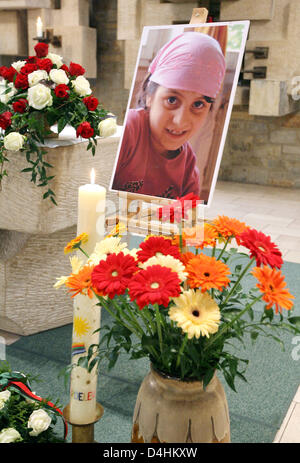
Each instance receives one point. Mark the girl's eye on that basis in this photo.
(172, 100)
(198, 104)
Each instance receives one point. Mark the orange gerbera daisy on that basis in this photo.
(229, 228)
(185, 257)
(81, 282)
(201, 236)
(272, 285)
(76, 242)
(207, 272)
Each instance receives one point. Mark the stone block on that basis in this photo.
(21, 204)
(128, 20)
(243, 9)
(155, 13)
(131, 54)
(25, 4)
(285, 136)
(270, 98)
(72, 13)
(13, 33)
(28, 302)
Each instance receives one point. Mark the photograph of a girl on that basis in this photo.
(172, 102)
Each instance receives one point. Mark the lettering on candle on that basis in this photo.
(83, 396)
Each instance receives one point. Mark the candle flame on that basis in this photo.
(93, 175)
(39, 22)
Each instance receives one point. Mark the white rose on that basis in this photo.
(5, 98)
(17, 65)
(36, 76)
(81, 86)
(39, 96)
(107, 127)
(39, 421)
(8, 435)
(56, 59)
(5, 395)
(14, 141)
(58, 76)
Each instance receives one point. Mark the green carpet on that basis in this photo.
(256, 410)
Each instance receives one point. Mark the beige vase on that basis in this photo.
(173, 411)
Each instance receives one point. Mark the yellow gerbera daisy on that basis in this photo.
(196, 313)
(118, 230)
(76, 242)
(60, 281)
(167, 261)
(76, 264)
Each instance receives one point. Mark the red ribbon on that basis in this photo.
(28, 393)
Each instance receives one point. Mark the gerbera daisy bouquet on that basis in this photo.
(37, 93)
(180, 301)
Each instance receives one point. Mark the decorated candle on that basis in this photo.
(87, 314)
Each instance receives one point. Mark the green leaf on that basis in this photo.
(62, 122)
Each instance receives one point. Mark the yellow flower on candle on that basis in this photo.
(81, 326)
(76, 242)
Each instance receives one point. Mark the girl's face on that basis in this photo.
(175, 116)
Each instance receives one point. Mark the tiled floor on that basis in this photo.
(276, 212)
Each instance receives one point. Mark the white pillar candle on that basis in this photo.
(39, 27)
(87, 314)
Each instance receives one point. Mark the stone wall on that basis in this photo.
(109, 87)
(262, 150)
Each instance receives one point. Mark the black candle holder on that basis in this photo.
(49, 37)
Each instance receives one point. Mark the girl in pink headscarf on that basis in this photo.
(156, 157)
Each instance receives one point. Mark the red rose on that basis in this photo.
(76, 69)
(22, 81)
(8, 73)
(62, 91)
(28, 68)
(31, 59)
(5, 120)
(45, 64)
(20, 105)
(85, 130)
(41, 49)
(3, 70)
(65, 68)
(90, 102)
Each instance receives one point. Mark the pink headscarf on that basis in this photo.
(191, 61)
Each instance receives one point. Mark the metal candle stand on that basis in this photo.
(83, 433)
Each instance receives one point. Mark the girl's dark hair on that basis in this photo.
(148, 88)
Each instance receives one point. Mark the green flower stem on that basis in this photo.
(180, 236)
(237, 282)
(105, 305)
(223, 250)
(226, 326)
(78, 247)
(158, 324)
(181, 350)
(134, 323)
(147, 314)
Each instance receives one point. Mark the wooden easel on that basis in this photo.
(143, 220)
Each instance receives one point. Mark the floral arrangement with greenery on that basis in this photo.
(24, 416)
(37, 93)
(179, 300)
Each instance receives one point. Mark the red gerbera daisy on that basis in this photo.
(111, 276)
(262, 248)
(154, 285)
(157, 246)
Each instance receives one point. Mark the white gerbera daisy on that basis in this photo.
(196, 313)
(167, 261)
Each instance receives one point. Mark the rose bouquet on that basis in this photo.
(179, 300)
(24, 416)
(37, 93)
